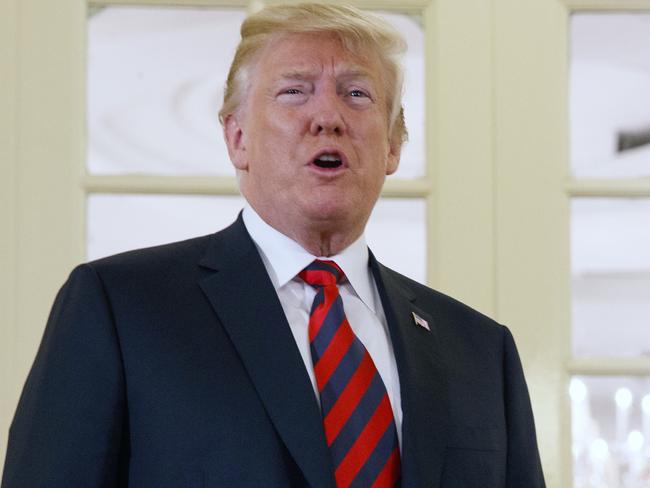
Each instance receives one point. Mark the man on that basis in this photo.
(279, 352)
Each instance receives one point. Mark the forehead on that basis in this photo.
(311, 54)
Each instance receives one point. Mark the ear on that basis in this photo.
(394, 152)
(234, 136)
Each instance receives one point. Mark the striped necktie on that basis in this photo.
(357, 415)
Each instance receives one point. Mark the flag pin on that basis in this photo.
(421, 322)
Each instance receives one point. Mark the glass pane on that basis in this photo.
(155, 86)
(412, 162)
(117, 223)
(610, 251)
(610, 94)
(610, 431)
(396, 233)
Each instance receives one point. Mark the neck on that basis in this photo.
(319, 238)
(323, 244)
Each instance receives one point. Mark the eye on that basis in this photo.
(292, 91)
(358, 94)
(293, 95)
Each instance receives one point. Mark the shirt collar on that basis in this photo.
(284, 258)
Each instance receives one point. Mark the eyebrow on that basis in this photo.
(299, 74)
(308, 74)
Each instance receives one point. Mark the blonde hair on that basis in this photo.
(357, 31)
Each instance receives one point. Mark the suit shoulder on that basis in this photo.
(141, 278)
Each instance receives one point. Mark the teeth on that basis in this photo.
(329, 157)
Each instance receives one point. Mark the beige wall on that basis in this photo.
(7, 210)
(500, 111)
(41, 208)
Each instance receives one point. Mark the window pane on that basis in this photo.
(610, 94)
(117, 223)
(611, 276)
(396, 233)
(412, 162)
(610, 431)
(155, 86)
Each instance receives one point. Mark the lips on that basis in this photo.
(329, 160)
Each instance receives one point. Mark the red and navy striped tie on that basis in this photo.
(358, 419)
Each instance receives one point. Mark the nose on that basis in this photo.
(327, 117)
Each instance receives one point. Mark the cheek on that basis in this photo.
(271, 162)
(376, 130)
(380, 158)
(272, 139)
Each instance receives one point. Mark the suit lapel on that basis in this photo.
(422, 381)
(247, 305)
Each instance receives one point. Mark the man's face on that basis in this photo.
(311, 139)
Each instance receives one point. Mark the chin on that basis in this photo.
(326, 209)
(333, 215)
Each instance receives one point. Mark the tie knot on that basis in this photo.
(322, 273)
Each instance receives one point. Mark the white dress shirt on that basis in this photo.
(284, 259)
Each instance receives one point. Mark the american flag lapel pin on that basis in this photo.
(420, 321)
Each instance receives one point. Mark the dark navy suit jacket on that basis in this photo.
(175, 367)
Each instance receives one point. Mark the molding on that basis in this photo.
(625, 188)
(402, 188)
(243, 4)
(217, 185)
(607, 5)
(416, 6)
(402, 6)
(600, 366)
(155, 184)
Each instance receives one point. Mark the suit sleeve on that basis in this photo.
(69, 428)
(523, 464)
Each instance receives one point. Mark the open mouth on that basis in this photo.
(329, 161)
